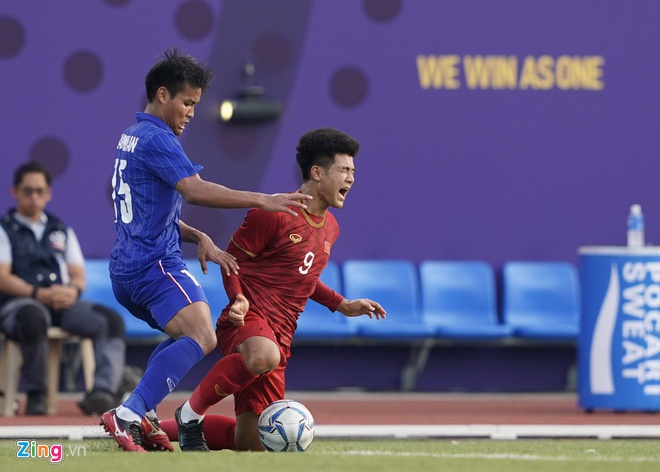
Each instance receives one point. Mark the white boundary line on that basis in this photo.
(391, 431)
(491, 431)
(502, 456)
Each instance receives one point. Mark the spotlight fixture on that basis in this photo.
(249, 106)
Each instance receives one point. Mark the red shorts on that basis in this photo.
(268, 387)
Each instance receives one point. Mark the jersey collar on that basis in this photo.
(141, 116)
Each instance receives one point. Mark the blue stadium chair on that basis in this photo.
(99, 289)
(316, 322)
(212, 284)
(459, 300)
(541, 300)
(393, 284)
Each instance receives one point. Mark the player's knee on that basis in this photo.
(207, 341)
(251, 446)
(247, 442)
(261, 361)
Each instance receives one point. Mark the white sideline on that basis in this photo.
(591, 455)
(391, 431)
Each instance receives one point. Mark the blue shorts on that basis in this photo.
(160, 294)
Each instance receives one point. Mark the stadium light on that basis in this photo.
(250, 105)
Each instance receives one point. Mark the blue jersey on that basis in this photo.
(149, 162)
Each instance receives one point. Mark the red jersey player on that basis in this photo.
(281, 258)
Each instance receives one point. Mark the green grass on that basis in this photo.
(565, 455)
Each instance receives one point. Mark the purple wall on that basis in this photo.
(473, 173)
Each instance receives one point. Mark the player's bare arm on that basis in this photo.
(361, 306)
(207, 250)
(197, 191)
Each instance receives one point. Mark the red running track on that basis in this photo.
(363, 408)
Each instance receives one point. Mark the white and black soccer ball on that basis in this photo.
(286, 426)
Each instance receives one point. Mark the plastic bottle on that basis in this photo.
(636, 226)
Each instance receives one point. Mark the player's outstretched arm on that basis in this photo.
(207, 250)
(361, 306)
(197, 191)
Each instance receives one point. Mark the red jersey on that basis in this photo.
(281, 258)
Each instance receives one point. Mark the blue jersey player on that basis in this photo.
(152, 177)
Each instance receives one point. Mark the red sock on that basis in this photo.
(218, 430)
(228, 376)
(170, 428)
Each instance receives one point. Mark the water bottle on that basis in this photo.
(636, 226)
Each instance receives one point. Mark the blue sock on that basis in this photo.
(159, 348)
(163, 373)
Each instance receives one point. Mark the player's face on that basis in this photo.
(180, 109)
(337, 181)
(32, 195)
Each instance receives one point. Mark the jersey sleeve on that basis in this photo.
(167, 159)
(326, 296)
(232, 286)
(257, 229)
(248, 241)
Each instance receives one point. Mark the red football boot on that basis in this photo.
(153, 437)
(127, 433)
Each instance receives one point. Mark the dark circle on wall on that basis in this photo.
(12, 37)
(52, 153)
(194, 19)
(349, 87)
(272, 53)
(382, 10)
(83, 71)
(117, 3)
(237, 141)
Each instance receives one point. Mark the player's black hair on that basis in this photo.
(319, 147)
(29, 168)
(174, 72)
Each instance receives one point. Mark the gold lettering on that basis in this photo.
(545, 78)
(506, 72)
(577, 73)
(565, 73)
(593, 66)
(438, 71)
(498, 72)
(528, 77)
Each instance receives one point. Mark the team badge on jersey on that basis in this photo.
(296, 238)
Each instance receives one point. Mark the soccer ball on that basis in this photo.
(286, 426)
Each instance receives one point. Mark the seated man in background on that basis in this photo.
(42, 274)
